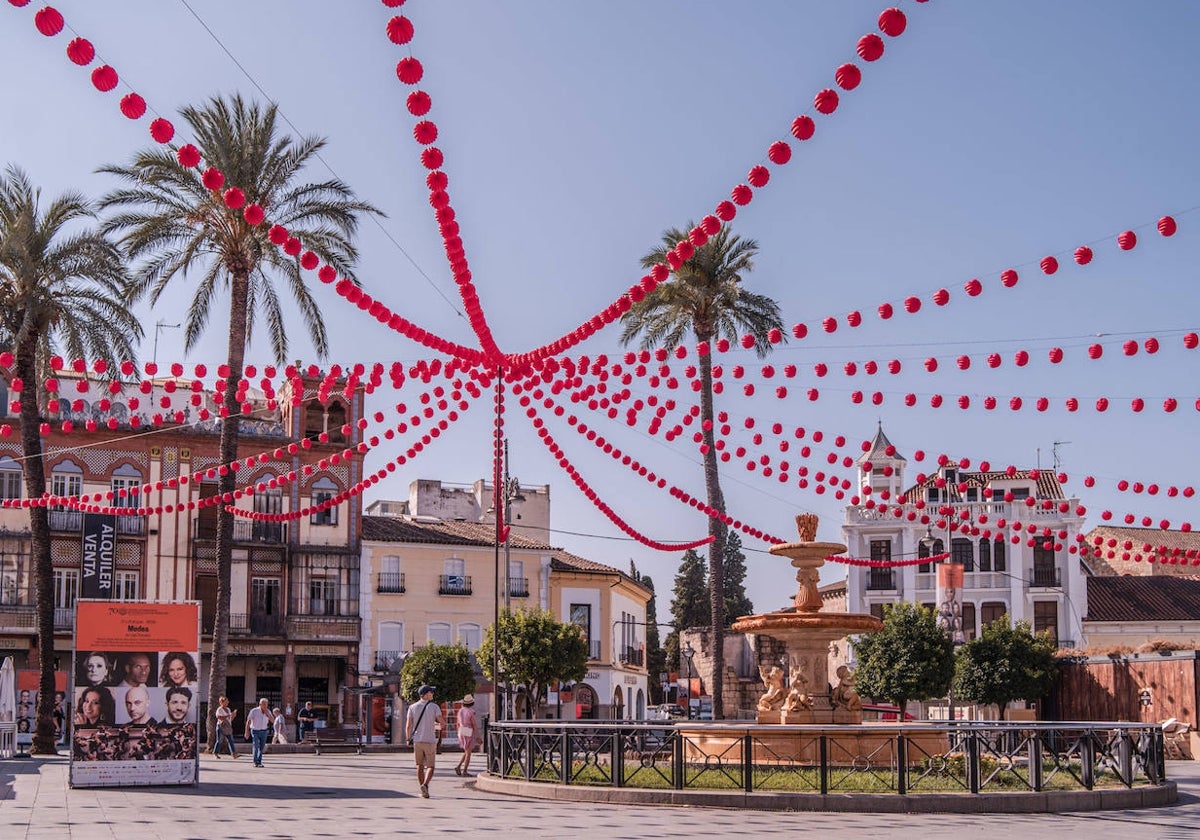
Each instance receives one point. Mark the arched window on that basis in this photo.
(998, 560)
(438, 633)
(391, 644)
(470, 636)
(66, 479)
(985, 555)
(323, 491)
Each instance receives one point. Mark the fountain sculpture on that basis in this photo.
(806, 632)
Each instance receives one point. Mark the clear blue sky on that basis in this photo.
(989, 135)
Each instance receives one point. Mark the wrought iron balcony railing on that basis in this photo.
(1045, 578)
(390, 582)
(454, 584)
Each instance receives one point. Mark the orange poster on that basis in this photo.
(950, 575)
(125, 626)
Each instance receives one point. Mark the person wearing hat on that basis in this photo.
(467, 725)
(423, 730)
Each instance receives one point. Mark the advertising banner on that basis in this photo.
(28, 682)
(949, 598)
(136, 694)
(99, 555)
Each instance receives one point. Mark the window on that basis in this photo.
(1000, 548)
(123, 478)
(581, 617)
(923, 551)
(127, 586)
(961, 551)
(517, 585)
(1045, 618)
(877, 611)
(322, 496)
(1019, 493)
(10, 478)
(470, 636)
(438, 633)
(455, 569)
(1045, 570)
(266, 596)
(881, 550)
(66, 480)
(10, 572)
(391, 636)
(968, 621)
(323, 596)
(390, 578)
(66, 588)
(985, 555)
(992, 611)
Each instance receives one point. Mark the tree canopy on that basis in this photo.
(689, 602)
(737, 602)
(535, 649)
(447, 668)
(1005, 664)
(911, 658)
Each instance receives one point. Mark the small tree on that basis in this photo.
(911, 658)
(445, 667)
(535, 649)
(737, 602)
(1005, 664)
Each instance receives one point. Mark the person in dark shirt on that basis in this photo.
(307, 718)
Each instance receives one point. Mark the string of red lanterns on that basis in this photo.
(867, 563)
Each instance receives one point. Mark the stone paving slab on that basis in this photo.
(306, 796)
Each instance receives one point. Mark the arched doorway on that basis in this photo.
(618, 704)
(641, 705)
(585, 702)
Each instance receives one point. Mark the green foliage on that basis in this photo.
(737, 602)
(689, 602)
(1005, 664)
(535, 649)
(656, 657)
(911, 658)
(446, 667)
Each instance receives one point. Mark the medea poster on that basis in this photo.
(136, 694)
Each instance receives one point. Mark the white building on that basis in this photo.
(1013, 532)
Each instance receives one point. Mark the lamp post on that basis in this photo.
(687, 652)
(507, 490)
(950, 582)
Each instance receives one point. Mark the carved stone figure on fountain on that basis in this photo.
(775, 695)
(798, 701)
(847, 705)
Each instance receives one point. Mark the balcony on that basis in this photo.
(64, 618)
(255, 624)
(131, 526)
(244, 531)
(633, 656)
(593, 651)
(390, 582)
(323, 628)
(1045, 578)
(65, 520)
(385, 660)
(18, 618)
(518, 587)
(454, 584)
(881, 579)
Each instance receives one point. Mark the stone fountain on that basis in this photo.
(807, 632)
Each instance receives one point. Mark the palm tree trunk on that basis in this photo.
(39, 529)
(716, 529)
(230, 429)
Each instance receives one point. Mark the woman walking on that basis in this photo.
(466, 722)
(225, 716)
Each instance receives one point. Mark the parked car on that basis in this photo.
(883, 711)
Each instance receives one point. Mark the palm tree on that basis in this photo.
(168, 219)
(60, 286)
(704, 297)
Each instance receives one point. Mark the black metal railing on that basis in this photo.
(255, 624)
(632, 656)
(919, 758)
(244, 530)
(1046, 577)
(518, 587)
(65, 520)
(64, 618)
(881, 579)
(454, 584)
(390, 582)
(594, 649)
(386, 659)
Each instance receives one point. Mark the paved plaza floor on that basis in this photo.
(375, 795)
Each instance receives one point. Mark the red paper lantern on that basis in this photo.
(885, 310)
(1083, 255)
(870, 47)
(104, 78)
(309, 261)
(726, 211)
(213, 178)
(854, 318)
(1056, 355)
(399, 30)
(778, 153)
(741, 195)
(48, 21)
(1102, 404)
(1008, 278)
(1126, 240)
(993, 360)
(425, 132)
(1095, 351)
(81, 51)
(848, 76)
(892, 22)
(1190, 341)
(278, 234)
(912, 305)
(133, 106)
(1130, 347)
(161, 130)
(292, 246)
(801, 330)
(253, 214)
(409, 70)
(941, 297)
(973, 287)
(759, 176)
(826, 101)
(964, 362)
(1170, 404)
(188, 156)
(803, 127)
(234, 198)
(830, 325)
(1167, 226)
(1021, 358)
(1072, 404)
(931, 364)
(1137, 404)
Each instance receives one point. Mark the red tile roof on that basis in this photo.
(1143, 599)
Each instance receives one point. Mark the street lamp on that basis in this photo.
(507, 491)
(687, 652)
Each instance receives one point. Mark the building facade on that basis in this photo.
(1014, 543)
(295, 584)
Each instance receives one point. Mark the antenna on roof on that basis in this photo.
(1057, 459)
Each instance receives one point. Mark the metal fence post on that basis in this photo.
(748, 762)
(530, 756)
(1087, 759)
(677, 766)
(973, 762)
(824, 773)
(901, 763)
(1125, 756)
(567, 764)
(618, 758)
(1035, 761)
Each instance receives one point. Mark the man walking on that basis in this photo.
(258, 722)
(422, 728)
